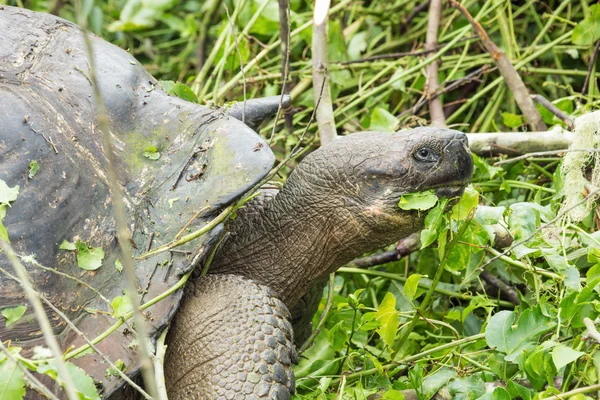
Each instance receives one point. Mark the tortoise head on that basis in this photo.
(360, 178)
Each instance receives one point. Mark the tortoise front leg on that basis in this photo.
(231, 339)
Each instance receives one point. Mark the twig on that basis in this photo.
(284, 37)
(325, 119)
(42, 319)
(420, 7)
(485, 69)
(405, 246)
(590, 69)
(35, 383)
(592, 331)
(555, 110)
(509, 73)
(323, 316)
(402, 54)
(544, 153)
(190, 221)
(436, 110)
(159, 361)
(120, 215)
(582, 390)
(211, 7)
(508, 291)
(237, 48)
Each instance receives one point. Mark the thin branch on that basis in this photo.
(284, 37)
(159, 361)
(402, 54)
(405, 246)
(590, 69)
(42, 319)
(544, 153)
(508, 291)
(509, 73)
(237, 48)
(325, 119)
(123, 234)
(555, 110)
(436, 110)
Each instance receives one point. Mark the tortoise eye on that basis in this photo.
(425, 154)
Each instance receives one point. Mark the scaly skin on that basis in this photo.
(340, 202)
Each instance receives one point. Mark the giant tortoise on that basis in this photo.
(179, 165)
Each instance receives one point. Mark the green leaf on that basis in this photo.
(434, 382)
(588, 30)
(82, 382)
(139, 14)
(89, 258)
(110, 371)
(171, 201)
(12, 382)
(392, 395)
(398, 82)
(382, 120)
(338, 336)
(468, 201)
(180, 90)
(3, 231)
(411, 285)
(13, 314)
(33, 168)
(121, 306)
(500, 333)
(7, 194)
(118, 265)
(563, 355)
(512, 120)
(388, 316)
(318, 360)
(66, 245)
(433, 223)
(151, 153)
(418, 201)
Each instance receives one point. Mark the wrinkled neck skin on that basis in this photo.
(305, 232)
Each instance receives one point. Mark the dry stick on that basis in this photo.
(34, 382)
(325, 119)
(323, 316)
(42, 318)
(516, 143)
(544, 153)
(590, 69)
(508, 291)
(285, 70)
(405, 246)
(237, 47)
(485, 69)
(120, 215)
(211, 7)
(436, 110)
(402, 53)
(284, 37)
(509, 73)
(555, 110)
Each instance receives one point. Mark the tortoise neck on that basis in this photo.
(292, 239)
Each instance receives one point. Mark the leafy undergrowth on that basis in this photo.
(471, 343)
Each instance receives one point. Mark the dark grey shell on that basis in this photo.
(47, 115)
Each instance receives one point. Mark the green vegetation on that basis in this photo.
(463, 317)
